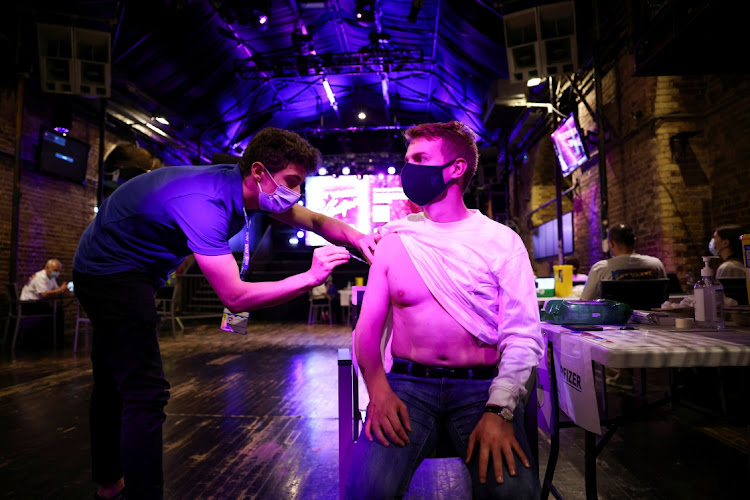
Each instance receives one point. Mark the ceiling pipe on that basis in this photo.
(386, 96)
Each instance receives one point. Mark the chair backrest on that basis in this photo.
(638, 294)
(735, 288)
(674, 283)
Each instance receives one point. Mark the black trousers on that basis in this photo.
(130, 391)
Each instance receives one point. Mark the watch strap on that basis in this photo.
(503, 411)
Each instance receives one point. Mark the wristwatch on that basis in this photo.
(503, 411)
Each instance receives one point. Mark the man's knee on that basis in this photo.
(524, 486)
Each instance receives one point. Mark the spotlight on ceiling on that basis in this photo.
(161, 120)
(533, 82)
(345, 171)
(365, 10)
(361, 115)
(322, 171)
(391, 170)
(260, 19)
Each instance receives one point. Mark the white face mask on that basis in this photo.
(712, 247)
(281, 200)
(53, 275)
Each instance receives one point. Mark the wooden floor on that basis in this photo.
(255, 417)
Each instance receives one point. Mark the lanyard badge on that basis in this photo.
(237, 322)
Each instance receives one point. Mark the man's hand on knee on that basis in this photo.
(387, 419)
(495, 438)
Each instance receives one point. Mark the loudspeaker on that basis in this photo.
(74, 60)
(56, 58)
(541, 41)
(522, 45)
(92, 62)
(557, 28)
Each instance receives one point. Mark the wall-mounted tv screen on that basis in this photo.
(62, 156)
(544, 237)
(569, 147)
(365, 203)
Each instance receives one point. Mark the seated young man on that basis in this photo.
(465, 333)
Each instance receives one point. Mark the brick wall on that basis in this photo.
(677, 165)
(53, 212)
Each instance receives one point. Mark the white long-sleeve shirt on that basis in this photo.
(479, 271)
(38, 284)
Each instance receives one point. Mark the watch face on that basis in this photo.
(506, 414)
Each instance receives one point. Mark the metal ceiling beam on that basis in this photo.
(347, 63)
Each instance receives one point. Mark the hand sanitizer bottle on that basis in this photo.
(709, 298)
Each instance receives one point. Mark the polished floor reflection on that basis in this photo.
(255, 417)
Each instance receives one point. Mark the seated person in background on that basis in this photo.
(624, 264)
(465, 333)
(727, 245)
(43, 285)
(321, 294)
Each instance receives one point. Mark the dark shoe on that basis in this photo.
(120, 496)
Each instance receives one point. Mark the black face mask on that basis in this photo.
(423, 183)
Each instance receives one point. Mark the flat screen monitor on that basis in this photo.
(569, 148)
(62, 156)
(544, 237)
(365, 203)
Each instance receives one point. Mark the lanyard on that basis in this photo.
(246, 252)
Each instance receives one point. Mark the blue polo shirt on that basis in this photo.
(155, 220)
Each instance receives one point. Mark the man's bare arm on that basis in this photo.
(237, 295)
(387, 417)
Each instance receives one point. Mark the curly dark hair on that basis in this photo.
(276, 149)
(459, 141)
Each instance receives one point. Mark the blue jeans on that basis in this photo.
(439, 408)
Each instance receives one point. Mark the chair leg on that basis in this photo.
(15, 337)
(5, 331)
(310, 314)
(75, 339)
(174, 331)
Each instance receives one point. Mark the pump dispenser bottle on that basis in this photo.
(709, 298)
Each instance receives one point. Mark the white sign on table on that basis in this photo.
(575, 382)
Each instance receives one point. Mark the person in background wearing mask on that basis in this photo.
(40, 290)
(727, 245)
(43, 285)
(141, 233)
(465, 333)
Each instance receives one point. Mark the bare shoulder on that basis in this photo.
(389, 247)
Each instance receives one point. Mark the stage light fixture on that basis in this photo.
(361, 115)
(294, 241)
(365, 10)
(345, 171)
(300, 234)
(533, 82)
(260, 19)
(322, 171)
(391, 170)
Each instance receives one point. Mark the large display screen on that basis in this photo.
(62, 156)
(569, 147)
(365, 203)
